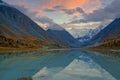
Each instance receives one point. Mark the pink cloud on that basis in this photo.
(87, 5)
(40, 5)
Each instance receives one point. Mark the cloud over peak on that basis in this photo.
(109, 12)
(74, 12)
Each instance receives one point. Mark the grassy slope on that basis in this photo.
(8, 43)
(113, 44)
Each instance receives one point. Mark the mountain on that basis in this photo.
(84, 35)
(76, 33)
(108, 35)
(7, 43)
(110, 44)
(15, 26)
(61, 34)
(13, 23)
(58, 32)
(110, 32)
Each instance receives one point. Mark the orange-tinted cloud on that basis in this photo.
(86, 5)
(39, 5)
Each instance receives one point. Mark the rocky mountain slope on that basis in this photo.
(109, 37)
(61, 34)
(14, 25)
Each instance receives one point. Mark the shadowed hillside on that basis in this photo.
(110, 44)
(108, 38)
(8, 42)
(19, 31)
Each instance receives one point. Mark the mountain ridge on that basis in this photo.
(57, 31)
(108, 38)
(109, 32)
(15, 25)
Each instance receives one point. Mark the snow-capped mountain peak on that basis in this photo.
(85, 34)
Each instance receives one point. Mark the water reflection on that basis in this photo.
(56, 65)
(81, 68)
(109, 60)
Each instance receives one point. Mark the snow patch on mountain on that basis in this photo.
(84, 34)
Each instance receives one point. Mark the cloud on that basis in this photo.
(69, 5)
(48, 23)
(78, 21)
(54, 8)
(80, 10)
(49, 10)
(75, 12)
(25, 11)
(44, 22)
(109, 12)
(88, 25)
(58, 7)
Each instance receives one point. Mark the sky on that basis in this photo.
(79, 14)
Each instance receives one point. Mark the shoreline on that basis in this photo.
(101, 49)
(6, 50)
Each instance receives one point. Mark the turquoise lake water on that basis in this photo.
(59, 65)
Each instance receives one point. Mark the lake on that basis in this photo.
(60, 65)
